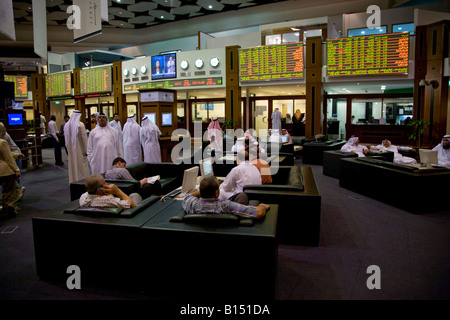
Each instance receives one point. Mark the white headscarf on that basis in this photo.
(443, 154)
(352, 141)
(72, 127)
(114, 131)
(215, 130)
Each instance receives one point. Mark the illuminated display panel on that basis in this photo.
(20, 86)
(185, 83)
(59, 84)
(274, 62)
(368, 55)
(98, 79)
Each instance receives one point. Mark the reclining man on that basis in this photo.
(119, 171)
(101, 194)
(206, 200)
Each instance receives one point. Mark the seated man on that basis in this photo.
(353, 146)
(101, 194)
(285, 133)
(262, 166)
(243, 174)
(118, 171)
(386, 145)
(443, 150)
(206, 200)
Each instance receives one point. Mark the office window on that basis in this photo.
(291, 37)
(403, 27)
(273, 39)
(366, 31)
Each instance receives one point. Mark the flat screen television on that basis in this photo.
(151, 116)
(164, 66)
(15, 119)
(166, 119)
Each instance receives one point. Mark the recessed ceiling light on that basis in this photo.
(210, 6)
(162, 17)
(363, 32)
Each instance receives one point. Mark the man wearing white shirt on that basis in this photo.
(53, 130)
(243, 174)
(443, 150)
(115, 123)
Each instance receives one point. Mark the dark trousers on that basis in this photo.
(58, 154)
(149, 189)
(62, 142)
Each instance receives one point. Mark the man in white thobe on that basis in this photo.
(132, 150)
(115, 123)
(386, 145)
(352, 145)
(276, 119)
(443, 150)
(215, 135)
(243, 174)
(104, 146)
(150, 141)
(76, 141)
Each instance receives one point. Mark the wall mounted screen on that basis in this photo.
(98, 79)
(15, 119)
(20, 86)
(166, 119)
(151, 117)
(368, 55)
(164, 66)
(274, 62)
(59, 84)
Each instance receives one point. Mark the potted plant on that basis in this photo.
(418, 128)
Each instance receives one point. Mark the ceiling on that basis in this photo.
(137, 14)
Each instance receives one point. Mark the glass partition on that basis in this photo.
(336, 118)
(367, 110)
(398, 110)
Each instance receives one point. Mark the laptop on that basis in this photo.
(284, 139)
(428, 156)
(206, 168)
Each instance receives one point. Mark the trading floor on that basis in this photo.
(357, 232)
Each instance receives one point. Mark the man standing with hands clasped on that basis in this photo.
(53, 130)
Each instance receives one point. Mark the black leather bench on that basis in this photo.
(412, 189)
(211, 261)
(148, 253)
(294, 189)
(313, 151)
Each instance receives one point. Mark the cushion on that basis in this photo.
(118, 212)
(95, 211)
(218, 219)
